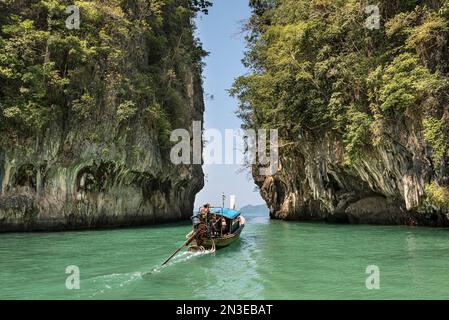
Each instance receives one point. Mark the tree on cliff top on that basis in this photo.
(128, 61)
(316, 69)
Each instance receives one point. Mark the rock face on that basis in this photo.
(361, 110)
(68, 182)
(102, 158)
(385, 186)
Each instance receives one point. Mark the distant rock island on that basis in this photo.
(260, 208)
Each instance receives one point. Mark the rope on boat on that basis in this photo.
(213, 246)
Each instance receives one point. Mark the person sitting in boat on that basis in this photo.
(238, 221)
(204, 212)
(213, 225)
(223, 225)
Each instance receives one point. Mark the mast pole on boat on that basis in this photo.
(223, 198)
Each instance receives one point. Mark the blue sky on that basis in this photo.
(220, 33)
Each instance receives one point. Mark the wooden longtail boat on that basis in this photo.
(234, 219)
(211, 241)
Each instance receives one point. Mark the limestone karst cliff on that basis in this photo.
(86, 113)
(359, 96)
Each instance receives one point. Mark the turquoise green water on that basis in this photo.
(272, 260)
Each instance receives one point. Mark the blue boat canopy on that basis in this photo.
(225, 212)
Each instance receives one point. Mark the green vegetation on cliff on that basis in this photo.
(316, 69)
(129, 56)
